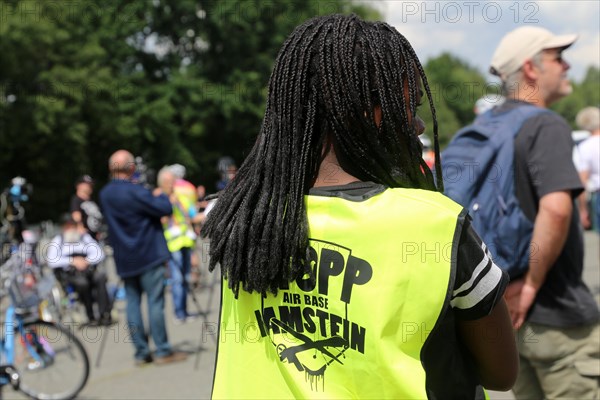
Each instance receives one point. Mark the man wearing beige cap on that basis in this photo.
(554, 311)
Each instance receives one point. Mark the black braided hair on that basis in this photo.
(329, 76)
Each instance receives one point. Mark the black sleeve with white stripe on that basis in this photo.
(479, 283)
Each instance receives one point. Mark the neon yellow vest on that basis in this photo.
(178, 232)
(382, 268)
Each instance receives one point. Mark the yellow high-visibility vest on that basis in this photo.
(354, 326)
(178, 231)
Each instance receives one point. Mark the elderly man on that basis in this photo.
(181, 238)
(140, 251)
(555, 312)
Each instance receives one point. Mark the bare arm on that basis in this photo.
(584, 214)
(199, 218)
(549, 236)
(491, 341)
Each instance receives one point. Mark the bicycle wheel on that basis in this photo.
(52, 363)
(63, 308)
(51, 307)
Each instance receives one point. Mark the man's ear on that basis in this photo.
(530, 70)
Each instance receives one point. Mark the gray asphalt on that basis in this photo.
(114, 375)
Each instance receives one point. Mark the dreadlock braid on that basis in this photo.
(329, 76)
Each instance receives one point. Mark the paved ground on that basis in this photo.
(116, 377)
(113, 373)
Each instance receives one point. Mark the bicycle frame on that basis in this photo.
(13, 323)
(29, 358)
(7, 342)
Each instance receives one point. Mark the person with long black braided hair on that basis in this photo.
(346, 273)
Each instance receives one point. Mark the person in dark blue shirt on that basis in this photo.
(140, 251)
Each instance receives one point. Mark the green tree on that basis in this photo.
(58, 92)
(455, 87)
(171, 80)
(457, 83)
(225, 51)
(586, 93)
(590, 86)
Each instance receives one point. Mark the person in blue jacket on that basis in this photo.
(140, 251)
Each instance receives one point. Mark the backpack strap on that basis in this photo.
(496, 125)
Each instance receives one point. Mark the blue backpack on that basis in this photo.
(478, 171)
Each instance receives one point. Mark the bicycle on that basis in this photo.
(42, 359)
(60, 303)
(12, 214)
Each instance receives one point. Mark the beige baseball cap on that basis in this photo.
(523, 43)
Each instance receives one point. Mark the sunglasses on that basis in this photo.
(557, 57)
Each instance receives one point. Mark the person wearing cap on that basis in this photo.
(83, 209)
(74, 256)
(554, 312)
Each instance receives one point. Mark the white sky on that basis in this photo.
(473, 29)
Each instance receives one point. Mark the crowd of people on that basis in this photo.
(327, 238)
(152, 237)
(324, 235)
(146, 232)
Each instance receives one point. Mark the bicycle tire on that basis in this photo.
(51, 308)
(54, 365)
(64, 310)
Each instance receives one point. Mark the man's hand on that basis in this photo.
(80, 263)
(519, 297)
(526, 299)
(584, 216)
(512, 297)
(549, 236)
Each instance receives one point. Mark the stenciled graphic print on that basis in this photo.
(313, 329)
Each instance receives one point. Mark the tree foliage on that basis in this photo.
(585, 93)
(171, 80)
(455, 87)
(174, 81)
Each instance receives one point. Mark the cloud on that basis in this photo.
(579, 17)
(472, 29)
(571, 14)
(585, 52)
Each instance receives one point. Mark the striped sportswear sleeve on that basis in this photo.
(479, 283)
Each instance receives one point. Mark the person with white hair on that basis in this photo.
(587, 161)
(554, 311)
(178, 170)
(180, 235)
